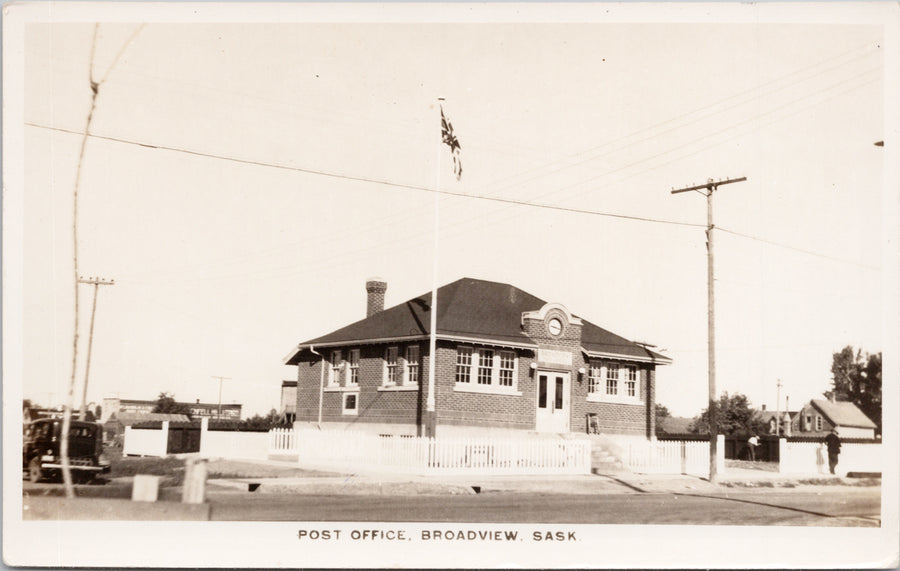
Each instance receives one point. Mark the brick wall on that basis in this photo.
(477, 409)
(458, 408)
(375, 406)
(613, 417)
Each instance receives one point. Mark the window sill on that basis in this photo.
(486, 389)
(339, 389)
(398, 388)
(353, 412)
(614, 400)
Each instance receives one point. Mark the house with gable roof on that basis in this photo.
(506, 361)
(819, 416)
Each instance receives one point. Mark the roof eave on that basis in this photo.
(651, 358)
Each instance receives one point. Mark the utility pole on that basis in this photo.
(96, 282)
(778, 408)
(711, 186)
(219, 410)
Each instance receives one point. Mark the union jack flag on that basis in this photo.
(451, 141)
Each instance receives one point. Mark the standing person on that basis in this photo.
(833, 442)
(752, 443)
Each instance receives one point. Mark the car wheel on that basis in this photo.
(34, 471)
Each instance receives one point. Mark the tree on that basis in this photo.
(166, 403)
(662, 413)
(857, 378)
(735, 416)
(267, 422)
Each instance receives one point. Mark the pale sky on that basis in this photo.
(221, 266)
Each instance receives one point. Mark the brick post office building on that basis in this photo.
(506, 361)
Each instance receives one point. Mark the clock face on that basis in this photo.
(555, 326)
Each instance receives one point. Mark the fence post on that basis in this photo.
(194, 490)
(204, 443)
(126, 441)
(720, 458)
(165, 437)
(782, 451)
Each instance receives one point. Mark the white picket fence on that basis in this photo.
(672, 456)
(667, 457)
(812, 458)
(366, 451)
(282, 442)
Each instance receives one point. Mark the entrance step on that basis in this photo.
(606, 456)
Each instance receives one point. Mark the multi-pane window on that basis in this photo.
(336, 363)
(818, 422)
(489, 367)
(392, 370)
(612, 379)
(463, 364)
(412, 364)
(507, 368)
(485, 366)
(631, 380)
(354, 367)
(594, 380)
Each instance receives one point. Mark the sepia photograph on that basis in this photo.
(418, 285)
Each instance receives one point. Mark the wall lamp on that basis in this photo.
(581, 372)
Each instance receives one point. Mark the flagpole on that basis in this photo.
(430, 408)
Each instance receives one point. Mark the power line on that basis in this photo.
(809, 252)
(369, 180)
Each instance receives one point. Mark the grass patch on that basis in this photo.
(172, 469)
(748, 465)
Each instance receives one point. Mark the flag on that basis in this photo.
(451, 141)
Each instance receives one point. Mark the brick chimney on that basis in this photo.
(375, 288)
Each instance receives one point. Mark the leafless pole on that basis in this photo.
(96, 282)
(778, 408)
(67, 411)
(711, 186)
(219, 410)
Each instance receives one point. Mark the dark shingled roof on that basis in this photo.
(471, 308)
(843, 413)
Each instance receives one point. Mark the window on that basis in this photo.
(594, 379)
(507, 368)
(818, 422)
(609, 381)
(412, 364)
(463, 364)
(612, 379)
(631, 380)
(392, 371)
(493, 370)
(334, 377)
(350, 403)
(353, 379)
(485, 366)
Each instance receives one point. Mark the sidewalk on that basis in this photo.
(377, 483)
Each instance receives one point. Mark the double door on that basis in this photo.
(553, 402)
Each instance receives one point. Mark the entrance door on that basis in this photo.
(552, 402)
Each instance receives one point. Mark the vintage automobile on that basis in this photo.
(41, 450)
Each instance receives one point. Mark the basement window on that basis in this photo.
(350, 403)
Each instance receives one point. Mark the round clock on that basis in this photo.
(555, 326)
